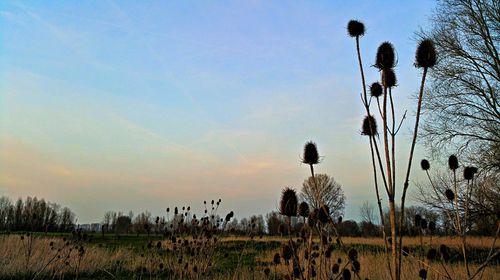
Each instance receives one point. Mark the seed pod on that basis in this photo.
(422, 274)
(324, 214)
(356, 266)
(313, 218)
(276, 259)
(469, 172)
(288, 204)
(444, 252)
(423, 224)
(425, 165)
(311, 155)
(389, 78)
(449, 194)
(353, 254)
(286, 252)
(417, 220)
(426, 54)
(346, 274)
(376, 89)
(335, 268)
(267, 271)
(355, 28)
(453, 162)
(303, 209)
(432, 226)
(385, 56)
(369, 127)
(431, 254)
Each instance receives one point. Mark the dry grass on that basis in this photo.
(107, 263)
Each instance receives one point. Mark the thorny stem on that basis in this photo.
(392, 191)
(410, 158)
(372, 144)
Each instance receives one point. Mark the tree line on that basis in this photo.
(33, 214)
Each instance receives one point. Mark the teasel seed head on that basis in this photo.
(369, 127)
(426, 54)
(303, 209)
(355, 28)
(425, 165)
(286, 252)
(313, 218)
(288, 204)
(385, 56)
(449, 194)
(324, 214)
(389, 78)
(335, 268)
(276, 259)
(267, 271)
(469, 172)
(431, 254)
(422, 273)
(346, 274)
(443, 250)
(376, 90)
(311, 155)
(353, 254)
(417, 220)
(432, 226)
(356, 266)
(423, 224)
(453, 162)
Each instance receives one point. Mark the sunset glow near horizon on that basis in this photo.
(116, 105)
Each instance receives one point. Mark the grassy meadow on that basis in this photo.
(63, 256)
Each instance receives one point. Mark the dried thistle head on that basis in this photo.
(311, 155)
(276, 259)
(422, 273)
(324, 214)
(376, 89)
(450, 195)
(389, 78)
(353, 254)
(288, 203)
(453, 162)
(303, 209)
(385, 56)
(423, 224)
(469, 172)
(417, 220)
(369, 127)
(355, 28)
(445, 255)
(425, 165)
(286, 252)
(431, 254)
(426, 54)
(356, 266)
(432, 226)
(335, 268)
(346, 274)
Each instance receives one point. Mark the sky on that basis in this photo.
(144, 105)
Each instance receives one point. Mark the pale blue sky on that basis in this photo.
(134, 105)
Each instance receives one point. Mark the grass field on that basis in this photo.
(42, 256)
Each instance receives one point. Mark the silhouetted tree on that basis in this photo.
(462, 106)
(325, 190)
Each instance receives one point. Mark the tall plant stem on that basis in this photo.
(392, 206)
(373, 145)
(410, 159)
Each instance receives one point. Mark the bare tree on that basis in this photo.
(367, 212)
(328, 191)
(462, 106)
